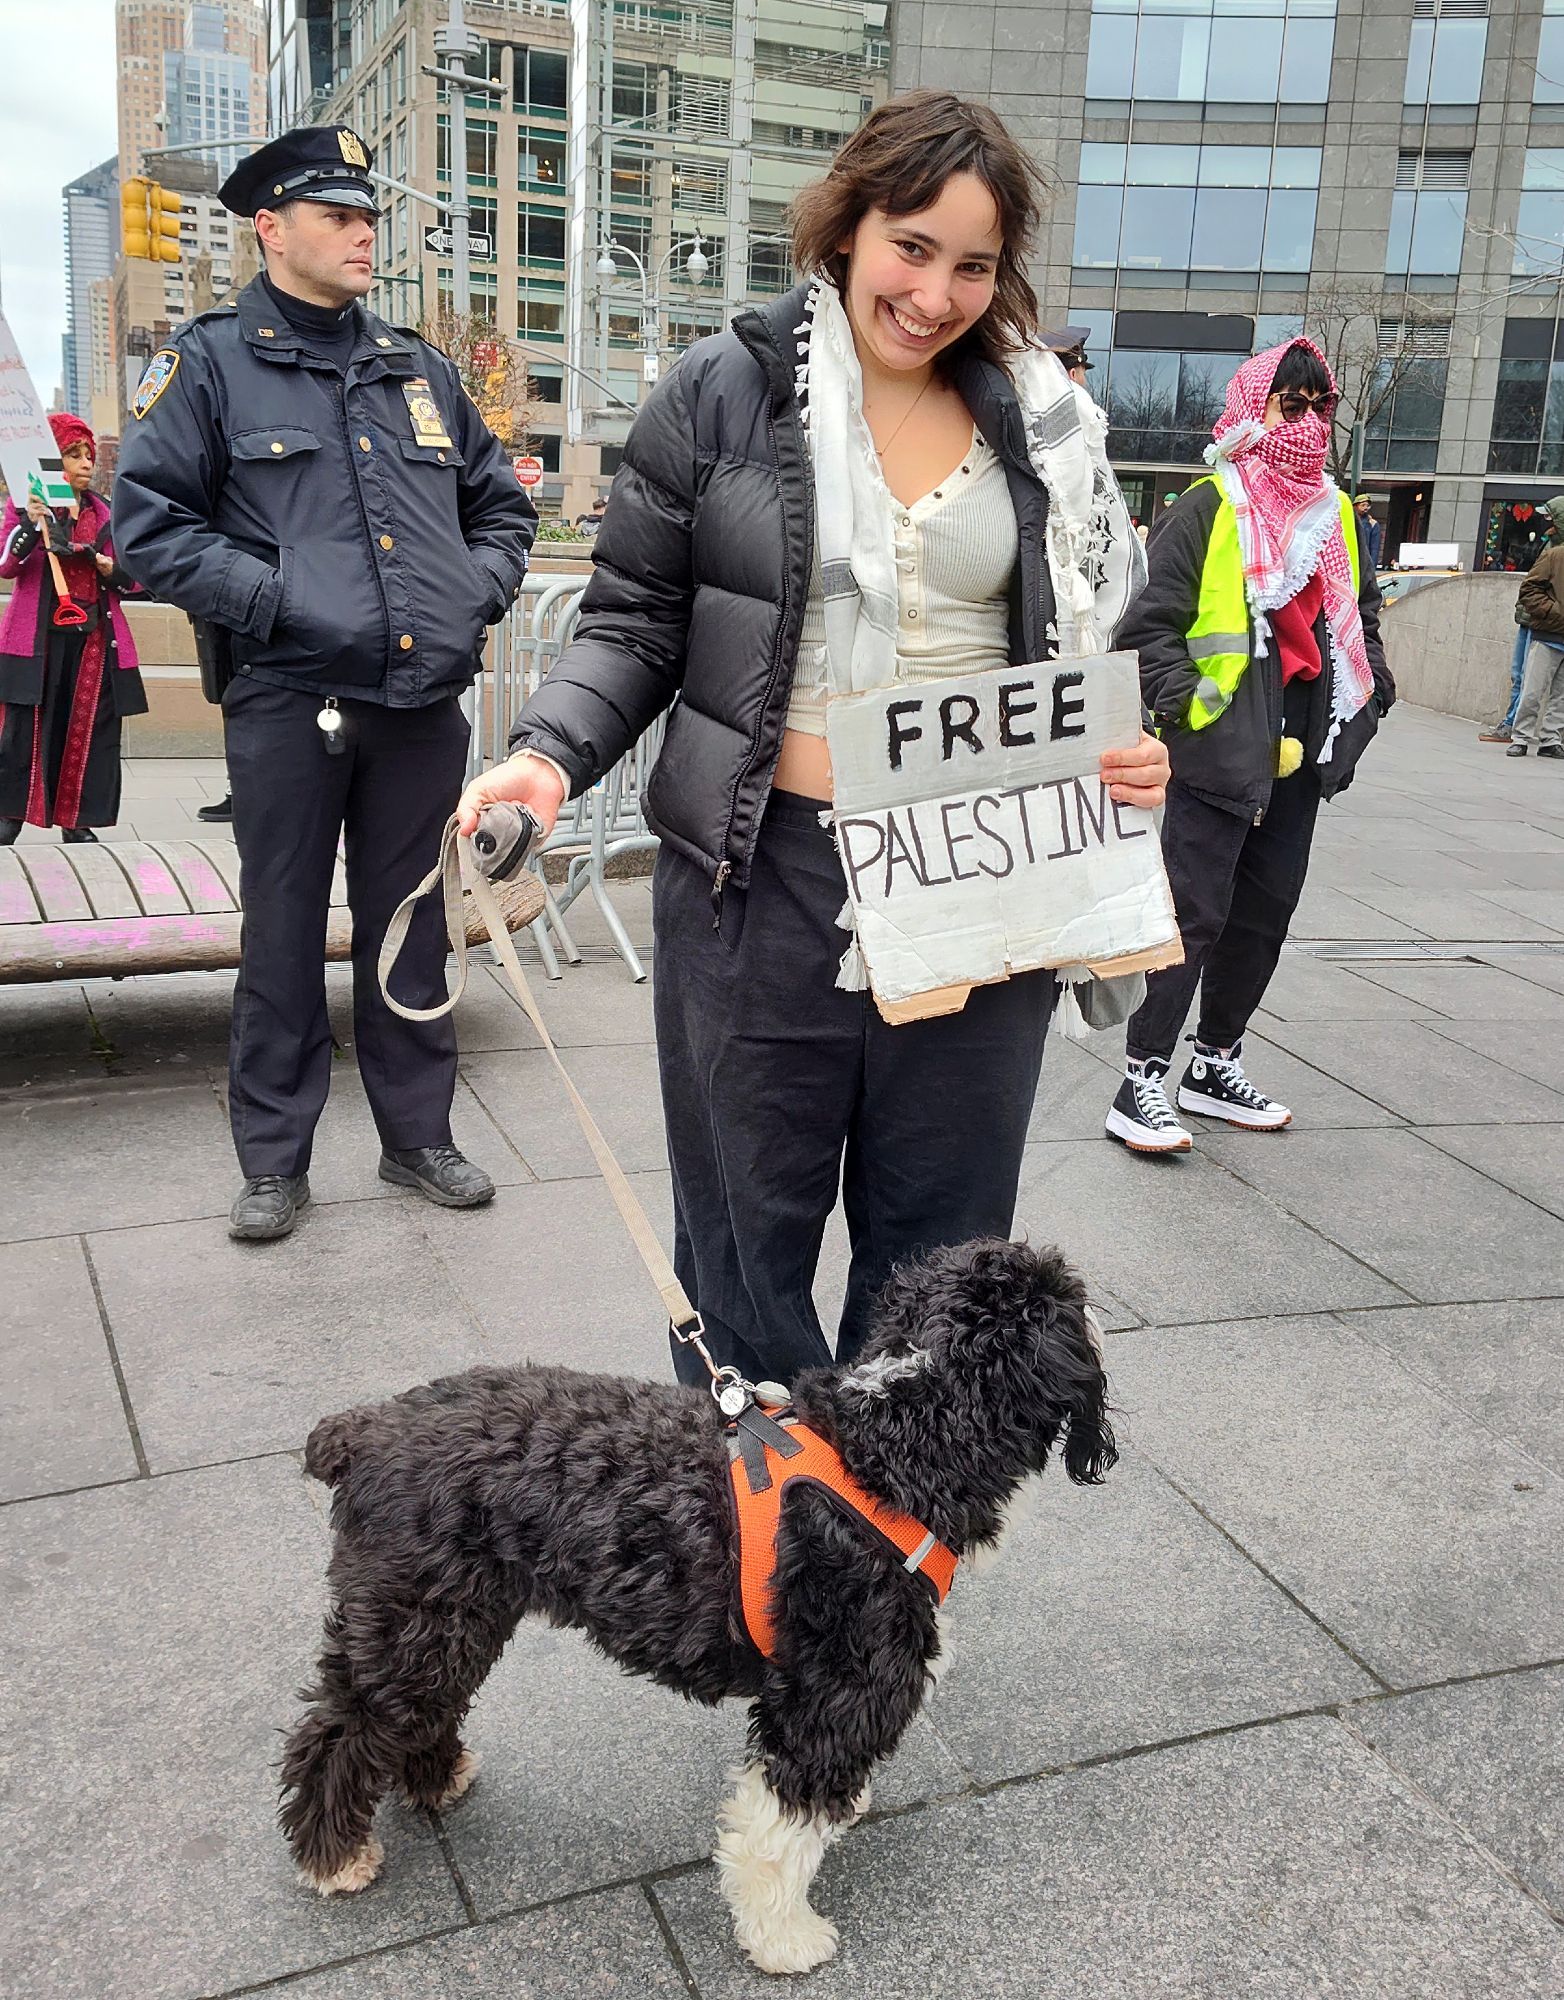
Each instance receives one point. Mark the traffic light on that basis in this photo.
(149, 221)
(163, 209)
(135, 238)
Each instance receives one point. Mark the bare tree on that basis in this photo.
(492, 371)
(1372, 353)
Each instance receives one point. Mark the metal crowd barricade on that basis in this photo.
(605, 822)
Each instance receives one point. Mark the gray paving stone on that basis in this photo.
(1433, 1226)
(603, 1947)
(1306, 988)
(1512, 836)
(1515, 871)
(61, 1420)
(1501, 1364)
(1115, 1616)
(1328, 913)
(522, 1092)
(1260, 1866)
(1415, 868)
(1451, 913)
(170, 1156)
(1474, 992)
(159, 1631)
(1426, 1544)
(1492, 1753)
(230, 1348)
(162, 1021)
(1073, 1092)
(1538, 963)
(590, 1775)
(1543, 906)
(1420, 1075)
(589, 1004)
(1528, 1049)
(1526, 1158)
(633, 900)
(1133, 1225)
(1316, 1097)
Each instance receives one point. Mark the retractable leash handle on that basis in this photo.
(688, 1326)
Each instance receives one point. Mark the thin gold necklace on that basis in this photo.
(881, 449)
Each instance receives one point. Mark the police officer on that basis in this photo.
(315, 486)
(1069, 343)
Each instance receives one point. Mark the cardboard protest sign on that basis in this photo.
(28, 451)
(978, 839)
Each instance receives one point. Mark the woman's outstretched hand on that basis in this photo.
(1138, 776)
(520, 781)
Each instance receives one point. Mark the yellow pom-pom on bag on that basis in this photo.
(1289, 755)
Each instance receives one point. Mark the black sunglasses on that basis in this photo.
(1297, 403)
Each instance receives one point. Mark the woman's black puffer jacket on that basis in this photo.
(700, 572)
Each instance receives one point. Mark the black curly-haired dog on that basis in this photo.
(605, 1503)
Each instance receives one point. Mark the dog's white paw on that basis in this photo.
(352, 1876)
(803, 1941)
(463, 1771)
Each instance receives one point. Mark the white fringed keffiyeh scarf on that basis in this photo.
(1095, 557)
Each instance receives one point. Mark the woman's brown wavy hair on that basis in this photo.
(898, 161)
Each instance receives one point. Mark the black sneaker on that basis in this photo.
(1550, 750)
(1141, 1116)
(219, 815)
(1216, 1087)
(268, 1206)
(1516, 750)
(441, 1173)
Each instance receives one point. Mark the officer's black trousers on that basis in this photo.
(391, 790)
(778, 1088)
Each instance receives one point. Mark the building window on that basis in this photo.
(770, 268)
(482, 140)
(1445, 56)
(540, 81)
(1528, 408)
(1211, 51)
(1428, 214)
(1161, 406)
(1549, 85)
(635, 94)
(540, 319)
(1404, 398)
(1196, 208)
(630, 172)
(1515, 532)
(1539, 221)
(540, 236)
(540, 158)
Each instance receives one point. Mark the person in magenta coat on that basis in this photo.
(64, 687)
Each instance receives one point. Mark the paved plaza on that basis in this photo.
(1278, 1711)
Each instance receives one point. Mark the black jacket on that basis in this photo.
(270, 492)
(700, 572)
(1232, 762)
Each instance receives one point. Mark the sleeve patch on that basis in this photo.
(160, 371)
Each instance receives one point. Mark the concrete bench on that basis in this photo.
(112, 908)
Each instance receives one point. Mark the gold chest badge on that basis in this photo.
(428, 424)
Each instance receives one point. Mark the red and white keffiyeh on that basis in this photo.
(1289, 523)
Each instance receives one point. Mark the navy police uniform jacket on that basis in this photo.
(355, 527)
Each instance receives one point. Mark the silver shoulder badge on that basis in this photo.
(160, 371)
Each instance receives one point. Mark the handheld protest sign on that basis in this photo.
(27, 447)
(978, 839)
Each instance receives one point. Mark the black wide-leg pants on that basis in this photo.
(1235, 886)
(390, 792)
(779, 1089)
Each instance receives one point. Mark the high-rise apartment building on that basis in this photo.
(91, 204)
(655, 128)
(1230, 170)
(213, 83)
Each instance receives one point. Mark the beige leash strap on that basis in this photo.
(447, 871)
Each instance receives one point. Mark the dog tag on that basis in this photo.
(732, 1399)
(329, 723)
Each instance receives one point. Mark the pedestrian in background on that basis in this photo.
(1374, 532)
(65, 689)
(1258, 635)
(318, 486)
(1539, 713)
(1503, 732)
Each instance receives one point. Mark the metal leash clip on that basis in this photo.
(329, 723)
(505, 837)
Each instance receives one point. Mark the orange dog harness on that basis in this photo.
(768, 1454)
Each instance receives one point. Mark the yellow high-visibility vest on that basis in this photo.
(1218, 640)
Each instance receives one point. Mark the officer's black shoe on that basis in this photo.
(441, 1173)
(268, 1205)
(73, 836)
(1550, 750)
(219, 815)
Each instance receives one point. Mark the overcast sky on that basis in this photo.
(57, 115)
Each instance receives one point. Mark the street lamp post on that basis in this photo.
(455, 42)
(696, 264)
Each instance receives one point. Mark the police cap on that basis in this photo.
(315, 163)
(1069, 343)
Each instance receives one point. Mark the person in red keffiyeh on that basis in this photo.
(1260, 660)
(68, 673)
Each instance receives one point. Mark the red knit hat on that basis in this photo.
(69, 430)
